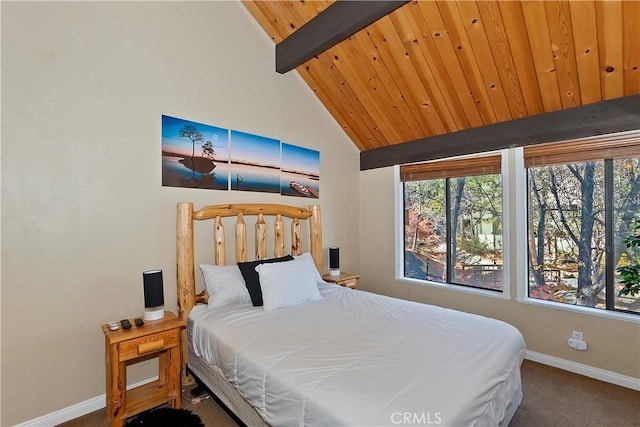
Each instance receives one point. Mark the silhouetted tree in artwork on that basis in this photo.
(189, 131)
(208, 151)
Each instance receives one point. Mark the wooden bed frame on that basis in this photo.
(210, 376)
(187, 296)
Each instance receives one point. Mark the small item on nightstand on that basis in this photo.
(139, 322)
(125, 324)
(153, 295)
(334, 261)
(113, 325)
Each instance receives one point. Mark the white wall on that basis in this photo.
(614, 345)
(83, 210)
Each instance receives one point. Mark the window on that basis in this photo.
(573, 207)
(453, 222)
(583, 199)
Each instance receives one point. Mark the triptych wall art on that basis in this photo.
(197, 155)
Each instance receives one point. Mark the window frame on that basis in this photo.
(516, 266)
(521, 252)
(507, 257)
(620, 146)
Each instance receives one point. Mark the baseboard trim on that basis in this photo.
(586, 370)
(93, 404)
(77, 410)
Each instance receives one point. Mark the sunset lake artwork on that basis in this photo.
(300, 172)
(255, 163)
(194, 155)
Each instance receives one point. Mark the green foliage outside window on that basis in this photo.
(630, 274)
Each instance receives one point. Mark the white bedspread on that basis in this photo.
(357, 358)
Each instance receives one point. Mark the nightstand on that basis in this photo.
(347, 280)
(157, 338)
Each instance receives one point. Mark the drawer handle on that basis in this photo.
(147, 347)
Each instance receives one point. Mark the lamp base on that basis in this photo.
(153, 313)
(334, 272)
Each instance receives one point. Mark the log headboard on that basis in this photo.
(187, 296)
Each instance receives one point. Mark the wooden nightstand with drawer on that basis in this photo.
(157, 338)
(347, 280)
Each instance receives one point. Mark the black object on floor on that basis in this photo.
(197, 391)
(166, 417)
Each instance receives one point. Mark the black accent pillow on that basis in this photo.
(252, 280)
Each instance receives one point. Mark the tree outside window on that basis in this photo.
(453, 224)
(579, 216)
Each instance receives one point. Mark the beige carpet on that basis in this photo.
(552, 397)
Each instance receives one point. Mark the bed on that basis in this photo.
(330, 355)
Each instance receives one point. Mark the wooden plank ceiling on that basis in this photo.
(435, 67)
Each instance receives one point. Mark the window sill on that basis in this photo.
(633, 318)
(457, 288)
(531, 301)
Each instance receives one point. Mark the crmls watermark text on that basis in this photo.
(416, 418)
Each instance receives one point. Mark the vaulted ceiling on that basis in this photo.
(435, 67)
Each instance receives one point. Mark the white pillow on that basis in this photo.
(311, 265)
(224, 284)
(287, 283)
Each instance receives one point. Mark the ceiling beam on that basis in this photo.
(600, 118)
(336, 23)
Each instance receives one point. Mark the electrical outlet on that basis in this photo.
(577, 344)
(577, 335)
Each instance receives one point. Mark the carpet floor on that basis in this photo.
(552, 397)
